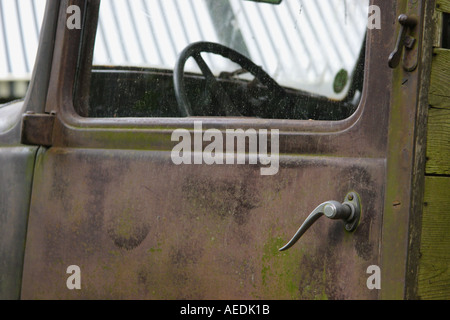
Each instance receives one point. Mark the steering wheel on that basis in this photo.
(222, 98)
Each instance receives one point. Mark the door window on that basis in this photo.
(311, 52)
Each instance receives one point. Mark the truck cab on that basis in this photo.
(230, 149)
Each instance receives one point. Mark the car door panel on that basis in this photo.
(139, 226)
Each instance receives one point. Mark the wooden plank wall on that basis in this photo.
(434, 263)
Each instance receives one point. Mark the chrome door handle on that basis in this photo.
(349, 211)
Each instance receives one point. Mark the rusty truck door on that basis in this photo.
(109, 205)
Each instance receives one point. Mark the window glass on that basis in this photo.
(310, 49)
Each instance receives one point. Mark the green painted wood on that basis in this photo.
(440, 74)
(434, 264)
(443, 5)
(438, 137)
(438, 142)
(441, 102)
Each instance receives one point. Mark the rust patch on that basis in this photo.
(126, 229)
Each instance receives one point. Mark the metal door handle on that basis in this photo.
(349, 211)
(406, 22)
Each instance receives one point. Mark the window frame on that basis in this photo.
(296, 136)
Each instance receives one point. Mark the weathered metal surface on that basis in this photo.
(37, 129)
(17, 164)
(402, 210)
(140, 227)
(16, 175)
(108, 198)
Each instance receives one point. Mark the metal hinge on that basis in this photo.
(37, 128)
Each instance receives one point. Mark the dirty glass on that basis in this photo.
(312, 50)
